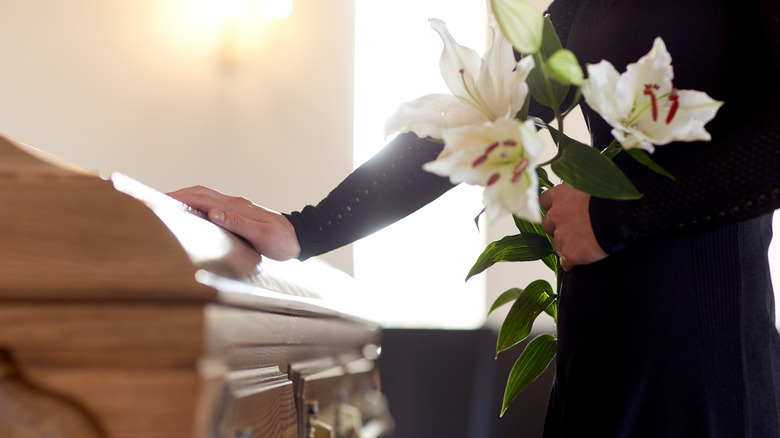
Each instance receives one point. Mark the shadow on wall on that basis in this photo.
(445, 383)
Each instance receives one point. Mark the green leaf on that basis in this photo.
(552, 310)
(545, 91)
(529, 366)
(506, 297)
(476, 219)
(518, 322)
(524, 247)
(521, 23)
(551, 261)
(643, 158)
(525, 226)
(550, 41)
(544, 179)
(584, 168)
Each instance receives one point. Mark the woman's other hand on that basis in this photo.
(269, 232)
(568, 221)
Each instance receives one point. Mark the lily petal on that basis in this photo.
(429, 115)
(459, 65)
(642, 105)
(502, 78)
(501, 156)
(695, 110)
(600, 92)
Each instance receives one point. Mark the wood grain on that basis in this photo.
(127, 335)
(69, 234)
(134, 403)
(260, 399)
(107, 319)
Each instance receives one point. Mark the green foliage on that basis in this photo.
(505, 298)
(643, 158)
(551, 260)
(544, 179)
(530, 302)
(545, 91)
(585, 169)
(524, 247)
(552, 310)
(529, 366)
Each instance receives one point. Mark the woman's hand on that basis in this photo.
(269, 232)
(568, 221)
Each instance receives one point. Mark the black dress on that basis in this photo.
(673, 334)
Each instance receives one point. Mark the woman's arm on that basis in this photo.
(389, 186)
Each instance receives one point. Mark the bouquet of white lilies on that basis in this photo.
(490, 140)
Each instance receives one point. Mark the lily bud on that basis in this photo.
(564, 68)
(521, 22)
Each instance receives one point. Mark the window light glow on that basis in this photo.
(415, 269)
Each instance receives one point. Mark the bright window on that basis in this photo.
(415, 268)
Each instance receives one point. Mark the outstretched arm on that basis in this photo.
(388, 187)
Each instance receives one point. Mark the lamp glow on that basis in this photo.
(274, 9)
(228, 8)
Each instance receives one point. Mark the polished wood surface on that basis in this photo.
(67, 233)
(123, 314)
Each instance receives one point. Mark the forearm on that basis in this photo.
(388, 187)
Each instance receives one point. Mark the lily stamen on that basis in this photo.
(482, 158)
(476, 100)
(675, 104)
(517, 172)
(653, 101)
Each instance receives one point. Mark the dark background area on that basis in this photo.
(446, 383)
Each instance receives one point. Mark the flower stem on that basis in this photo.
(612, 149)
(574, 102)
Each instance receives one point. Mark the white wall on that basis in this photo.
(154, 89)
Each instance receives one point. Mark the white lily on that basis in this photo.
(501, 156)
(642, 105)
(483, 89)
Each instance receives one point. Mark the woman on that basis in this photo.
(666, 318)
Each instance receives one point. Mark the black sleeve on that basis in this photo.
(386, 188)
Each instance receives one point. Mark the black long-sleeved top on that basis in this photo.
(675, 330)
(673, 334)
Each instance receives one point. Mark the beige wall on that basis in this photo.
(152, 89)
(155, 89)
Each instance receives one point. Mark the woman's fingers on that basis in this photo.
(206, 199)
(548, 226)
(568, 221)
(269, 232)
(545, 199)
(230, 221)
(198, 197)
